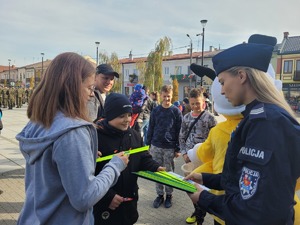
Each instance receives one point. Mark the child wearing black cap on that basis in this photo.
(119, 205)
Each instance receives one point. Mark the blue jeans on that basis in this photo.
(144, 128)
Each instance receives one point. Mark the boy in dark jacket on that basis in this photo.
(119, 205)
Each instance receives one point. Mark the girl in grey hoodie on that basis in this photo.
(60, 148)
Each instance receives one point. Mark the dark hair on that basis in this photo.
(196, 93)
(155, 94)
(61, 89)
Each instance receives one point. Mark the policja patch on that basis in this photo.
(248, 182)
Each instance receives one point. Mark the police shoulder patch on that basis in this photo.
(257, 111)
(248, 182)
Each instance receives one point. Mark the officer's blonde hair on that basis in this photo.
(264, 88)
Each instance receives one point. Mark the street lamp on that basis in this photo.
(191, 56)
(9, 72)
(97, 45)
(42, 63)
(203, 22)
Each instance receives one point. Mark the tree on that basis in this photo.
(113, 60)
(141, 67)
(31, 82)
(175, 90)
(154, 74)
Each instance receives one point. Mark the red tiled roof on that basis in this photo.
(2, 68)
(206, 54)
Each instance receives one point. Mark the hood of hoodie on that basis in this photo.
(34, 139)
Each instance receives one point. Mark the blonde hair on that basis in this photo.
(61, 90)
(264, 88)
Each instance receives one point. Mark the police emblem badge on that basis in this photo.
(105, 215)
(248, 182)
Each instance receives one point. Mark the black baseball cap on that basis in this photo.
(106, 69)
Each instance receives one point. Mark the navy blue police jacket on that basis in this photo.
(262, 164)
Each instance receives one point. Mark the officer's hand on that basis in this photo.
(195, 196)
(197, 177)
(124, 157)
(115, 202)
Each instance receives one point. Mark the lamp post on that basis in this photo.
(203, 22)
(97, 46)
(9, 72)
(191, 58)
(42, 63)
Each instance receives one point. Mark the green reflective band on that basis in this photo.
(167, 178)
(129, 152)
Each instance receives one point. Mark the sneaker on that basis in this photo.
(158, 201)
(168, 202)
(191, 219)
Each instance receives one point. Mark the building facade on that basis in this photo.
(175, 66)
(288, 69)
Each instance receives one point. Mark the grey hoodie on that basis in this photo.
(60, 184)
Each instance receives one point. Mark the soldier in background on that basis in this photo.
(11, 97)
(19, 98)
(1, 96)
(5, 97)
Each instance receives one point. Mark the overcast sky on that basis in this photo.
(29, 27)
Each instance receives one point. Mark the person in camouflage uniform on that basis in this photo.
(1, 96)
(11, 97)
(19, 93)
(5, 97)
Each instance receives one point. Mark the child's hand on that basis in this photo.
(161, 169)
(186, 158)
(197, 177)
(99, 154)
(124, 157)
(115, 202)
(177, 154)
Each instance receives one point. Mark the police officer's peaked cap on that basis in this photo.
(262, 39)
(254, 55)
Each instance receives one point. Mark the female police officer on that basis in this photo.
(262, 160)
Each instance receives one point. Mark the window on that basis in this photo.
(297, 71)
(287, 66)
(166, 70)
(136, 72)
(127, 91)
(298, 65)
(178, 70)
(126, 73)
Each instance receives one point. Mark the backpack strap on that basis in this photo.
(193, 124)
